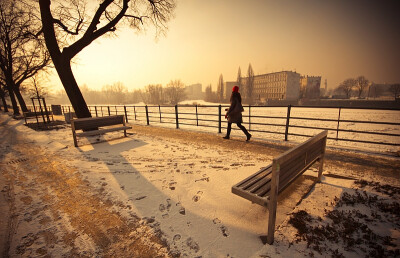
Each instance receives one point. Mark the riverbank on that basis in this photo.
(166, 192)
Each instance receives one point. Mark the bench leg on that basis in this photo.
(321, 161)
(271, 222)
(273, 203)
(321, 167)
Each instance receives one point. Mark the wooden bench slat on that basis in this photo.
(103, 131)
(88, 123)
(292, 152)
(251, 197)
(261, 185)
(249, 181)
(265, 190)
(312, 154)
(287, 169)
(286, 182)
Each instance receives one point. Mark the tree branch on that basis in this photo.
(93, 33)
(65, 28)
(136, 17)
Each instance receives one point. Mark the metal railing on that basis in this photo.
(257, 119)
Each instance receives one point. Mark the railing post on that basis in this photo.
(147, 115)
(101, 108)
(116, 110)
(219, 119)
(197, 117)
(249, 117)
(95, 109)
(337, 129)
(126, 114)
(287, 122)
(108, 108)
(176, 117)
(134, 112)
(159, 111)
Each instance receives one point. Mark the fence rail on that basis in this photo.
(257, 119)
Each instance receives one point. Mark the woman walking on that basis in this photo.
(234, 113)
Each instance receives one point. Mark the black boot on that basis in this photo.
(244, 131)
(248, 137)
(228, 131)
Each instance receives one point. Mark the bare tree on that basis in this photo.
(68, 20)
(395, 90)
(250, 85)
(134, 97)
(210, 96)
(361, 84)
(375, 90)
(153, 94)
(3, 93)
(37, 89)
(22, 49)
(220, 88)
(175, 91)
(115, 93)
(347, 86)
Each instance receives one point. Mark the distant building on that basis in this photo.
(283, 85)
(194, 91)
(324, 91)
(310, 87)
(228, 89)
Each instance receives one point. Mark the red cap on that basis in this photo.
(235, 89)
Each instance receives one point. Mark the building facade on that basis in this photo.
(283, 85)
(310, 87)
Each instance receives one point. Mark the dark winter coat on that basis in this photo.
(235, 110)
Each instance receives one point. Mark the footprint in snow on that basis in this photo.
(224, 231)
(223, 228)
(196, 198)
(163, 207)
(181, 209)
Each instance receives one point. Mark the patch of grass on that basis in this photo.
(349, 226)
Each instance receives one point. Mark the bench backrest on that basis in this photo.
(33, 114)
(94, 122)
(295, 161)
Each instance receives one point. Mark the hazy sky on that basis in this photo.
(335, 39)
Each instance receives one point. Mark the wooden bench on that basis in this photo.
(37, 115)
(89, 126)
(264, 186)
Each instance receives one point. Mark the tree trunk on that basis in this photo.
(13, 101)
(20, 99)
(72, 89)
(3, 99)
(62, 62)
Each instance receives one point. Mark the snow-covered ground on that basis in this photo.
(178, 183)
